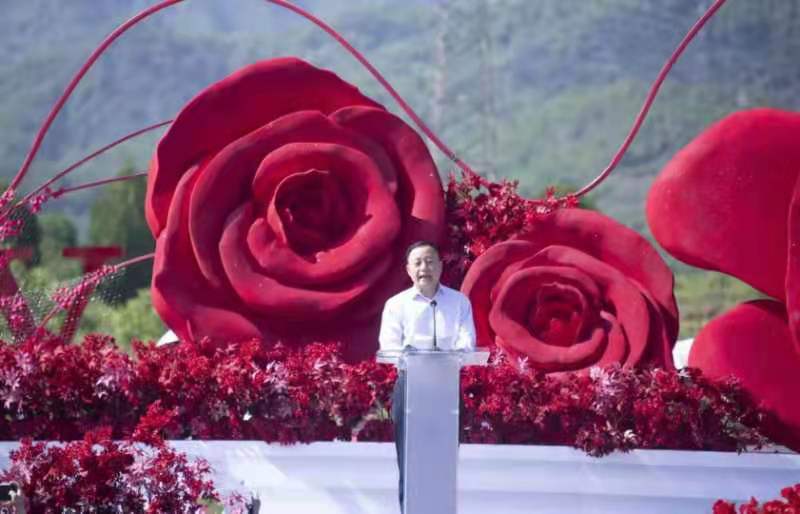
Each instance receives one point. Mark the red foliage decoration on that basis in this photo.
(282, 200)
(52, 390)
(788, 504)
(609, 409)
(253, 391)
(578, 289)
(97, 474)
(480, 213)
(728, 201)
(13, 305)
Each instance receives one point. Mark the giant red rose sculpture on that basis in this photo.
(728, 201)
(578, 290)
(751, 342)
(282, 199)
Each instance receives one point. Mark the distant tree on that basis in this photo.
(135, 319)
(117, 218)
(57, 233)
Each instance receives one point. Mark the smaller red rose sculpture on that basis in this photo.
(282, 201)
(579, 290)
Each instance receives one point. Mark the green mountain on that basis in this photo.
(542, 91)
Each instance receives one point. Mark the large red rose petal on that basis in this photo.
(613, 243)
(484, 275)
(189, 307)
(421, 204)
(752, 342)
(226, 184)
(723, 201)
(366, 227)
(622, 298)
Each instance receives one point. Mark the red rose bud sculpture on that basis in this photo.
(728, 202)
(282, 200)
(579, 290)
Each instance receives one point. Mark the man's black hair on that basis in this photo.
(420, 244)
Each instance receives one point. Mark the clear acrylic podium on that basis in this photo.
(431, 425)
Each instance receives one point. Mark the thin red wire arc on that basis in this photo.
(65, 190)
(377, 75)
(650, 98)
(89, 157)
(37, 142)
(167, 3)
(404, 105)
(134, 260)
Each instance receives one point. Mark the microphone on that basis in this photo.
(433, 306)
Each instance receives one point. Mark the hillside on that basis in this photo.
(540, 91)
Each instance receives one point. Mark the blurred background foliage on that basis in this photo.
(540, 91)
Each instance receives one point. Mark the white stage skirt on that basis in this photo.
(361, 478)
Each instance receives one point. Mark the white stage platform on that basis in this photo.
(361, 478)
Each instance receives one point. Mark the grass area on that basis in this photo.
(703, 295)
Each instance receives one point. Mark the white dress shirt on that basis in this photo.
(408, 320)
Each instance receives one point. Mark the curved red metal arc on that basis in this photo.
(372, 70)
(380, 78)
(88, 185)
(167, 3)
(37, 142)
(86, 279)
(651, 96)
(88, 158)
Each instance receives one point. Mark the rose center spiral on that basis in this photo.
(556, 314)
(313, 209)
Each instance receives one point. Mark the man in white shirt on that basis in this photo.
(427, 316)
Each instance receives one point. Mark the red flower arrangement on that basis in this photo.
(788, 504)
(607, 410)
(278, 394)
(52, 390)
(252, 391)
(96, 474)
(480, 213)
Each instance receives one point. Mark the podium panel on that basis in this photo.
(432, 396)
(431, 449)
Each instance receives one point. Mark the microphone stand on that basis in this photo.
(433, 306)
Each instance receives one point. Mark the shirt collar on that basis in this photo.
(416, 295)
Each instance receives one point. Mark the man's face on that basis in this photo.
(424, 267)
